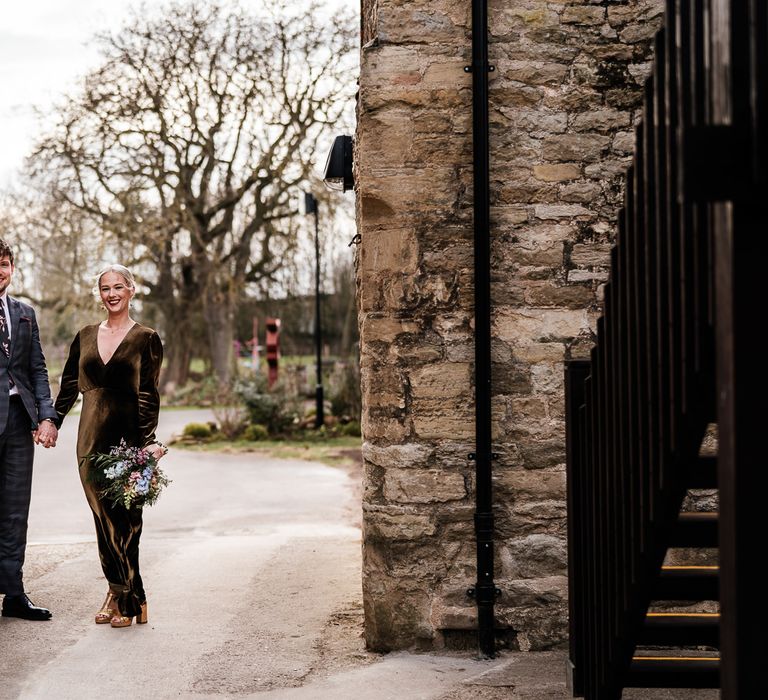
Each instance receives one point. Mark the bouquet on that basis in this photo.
(127, 475)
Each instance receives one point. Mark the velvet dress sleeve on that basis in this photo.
(69, 382)
(149, 393)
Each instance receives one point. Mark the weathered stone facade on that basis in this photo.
(564, 98)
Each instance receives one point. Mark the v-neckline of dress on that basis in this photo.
(114, 352)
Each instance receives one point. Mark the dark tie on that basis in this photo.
(5, 336)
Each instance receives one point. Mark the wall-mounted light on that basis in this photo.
(338, 167)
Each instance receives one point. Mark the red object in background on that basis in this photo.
(255, 345)
(273, 348)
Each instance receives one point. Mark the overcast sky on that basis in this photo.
(44, 47)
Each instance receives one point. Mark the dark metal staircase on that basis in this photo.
(676, 351)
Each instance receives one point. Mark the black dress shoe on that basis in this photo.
(21, 606)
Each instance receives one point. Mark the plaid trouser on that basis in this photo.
(16, 455)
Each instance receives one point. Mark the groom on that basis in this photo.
(26, 416)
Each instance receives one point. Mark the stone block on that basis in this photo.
(435, 419)
(526, 517)
(460, 352)
(624, 142)
(541, 453)
(534, 556)
(523, 592)
(547, 378)
(374, 212)
(557, 172)
(447, 74)
(453, 327)
(583, 15)
(528, 351)
(550, 294)
(389, 249)
(516, 326)
(511, 378)
(409, 24)
(591, 254)
(560, 211)
(398, 526)
(417, 352)
(528, 17)
(375, 426)
(529, 410)
(586, 192)
(423, 486)
(509, 215)
(411, 454)
(532, 72)
(443, 380)
(378, 327)
(587, 276)
(387, 65)
(406, 191)
(550, 255)
(575, 147)
(532, 485)
(608, 169)
(454, 617)
(387, 135)
(635, 33)
(536, 123)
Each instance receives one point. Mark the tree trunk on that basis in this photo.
(176, 371)
(219, 316)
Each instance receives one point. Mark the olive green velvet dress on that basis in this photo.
(120, 401)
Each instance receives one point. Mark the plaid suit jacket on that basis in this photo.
(26, 366)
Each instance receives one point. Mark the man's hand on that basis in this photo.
(46, 434)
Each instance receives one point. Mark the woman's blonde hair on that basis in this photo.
(121, 270)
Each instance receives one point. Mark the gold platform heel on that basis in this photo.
(124, 621)
(108, 609)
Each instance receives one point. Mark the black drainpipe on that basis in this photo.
(485, 590)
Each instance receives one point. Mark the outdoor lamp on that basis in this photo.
(310, 203)
(338, 167)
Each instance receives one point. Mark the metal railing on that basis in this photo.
(674, 345)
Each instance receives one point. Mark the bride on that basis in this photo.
(115, 364)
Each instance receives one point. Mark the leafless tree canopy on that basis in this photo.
(189, 143)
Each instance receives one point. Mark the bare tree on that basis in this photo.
(189, 142)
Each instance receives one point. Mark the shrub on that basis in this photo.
(254, 433)
(229, 414)
(198, 431)
(272, 409)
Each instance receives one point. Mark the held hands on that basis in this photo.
(46, 434)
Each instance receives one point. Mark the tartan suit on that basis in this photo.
(18, 418)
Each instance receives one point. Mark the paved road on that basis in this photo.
(245, 560)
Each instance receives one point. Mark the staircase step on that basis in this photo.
(687, 583)
(681, 629)
(674, 672)
(696, 530)
(702, 474)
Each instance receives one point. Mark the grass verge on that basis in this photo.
(333, 451)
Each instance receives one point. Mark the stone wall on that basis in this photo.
(564, 98)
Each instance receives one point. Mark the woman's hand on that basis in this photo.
(157, 451)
